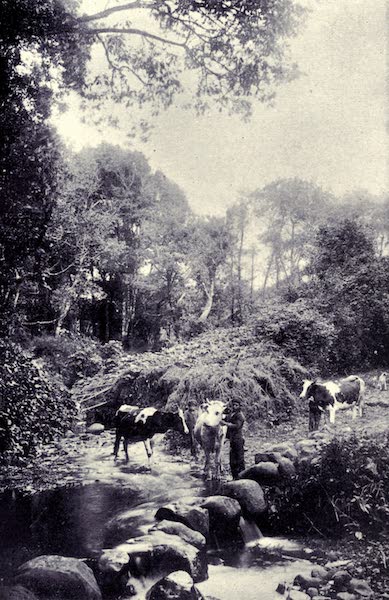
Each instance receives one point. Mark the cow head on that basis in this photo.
(306, 385)
(213, 412)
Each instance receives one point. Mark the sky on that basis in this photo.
(328, 126)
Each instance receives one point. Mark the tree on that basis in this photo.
(95, 233)
(370, 210)
(165, 242)
(290, 210)
(210, 242)
(350, 285)
(235, 50)
(30, 57)
(237, 219)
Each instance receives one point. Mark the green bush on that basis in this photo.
(69, 355)
(347, 489)
(32, 409)
(298, 329)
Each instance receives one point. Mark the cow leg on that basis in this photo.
(217, 462)
(361, 406)
(354, 412)
(193, 445)
(312, 421)
(207, 466)
(332, 411)
(125, 446)
(149, 450)
(117, 443)
(314, 416)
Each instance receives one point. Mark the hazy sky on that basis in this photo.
(328, 126)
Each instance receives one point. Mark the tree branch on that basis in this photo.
(131, 31)
(114, 9)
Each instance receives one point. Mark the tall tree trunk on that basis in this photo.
(239, 270)
(65, 307)
(125, 313)
(267, 274)
(292, 259)
(232, 283)
(208, 305)
(252, 274)
(107, 319)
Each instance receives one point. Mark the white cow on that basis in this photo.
(210, 434)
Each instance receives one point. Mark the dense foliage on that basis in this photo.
(299, 328)
(347, 488)
(32, 410)
(350, 286)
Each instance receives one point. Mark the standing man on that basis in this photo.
(235, 435)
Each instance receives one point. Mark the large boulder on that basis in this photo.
(185, 533)
(306, 447)
(113, 566)
(286, 468)
(341, 580)
(273, 457)
(96, 428)
(286, 449)
(265, 473)
(249, 494)
(320, 573)
(297, 595)
(176, 586)
(360, 587)
(171, 550)
(161, 553)
(224, 515)
(16, 592)
(305, 581)
(195, 517)
(58, 576)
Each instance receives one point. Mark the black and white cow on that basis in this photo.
(135, 424)
(332, 396)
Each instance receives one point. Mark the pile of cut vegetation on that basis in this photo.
(32, 410)
(223, 364)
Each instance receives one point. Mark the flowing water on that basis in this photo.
(116, 502)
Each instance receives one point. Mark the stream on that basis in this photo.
(82, 518)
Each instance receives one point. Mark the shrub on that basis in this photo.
(32, 410)
(71, 356)
(298, 329)
(347, 489)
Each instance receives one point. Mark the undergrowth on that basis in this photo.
(347, 489)
(32, 409)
